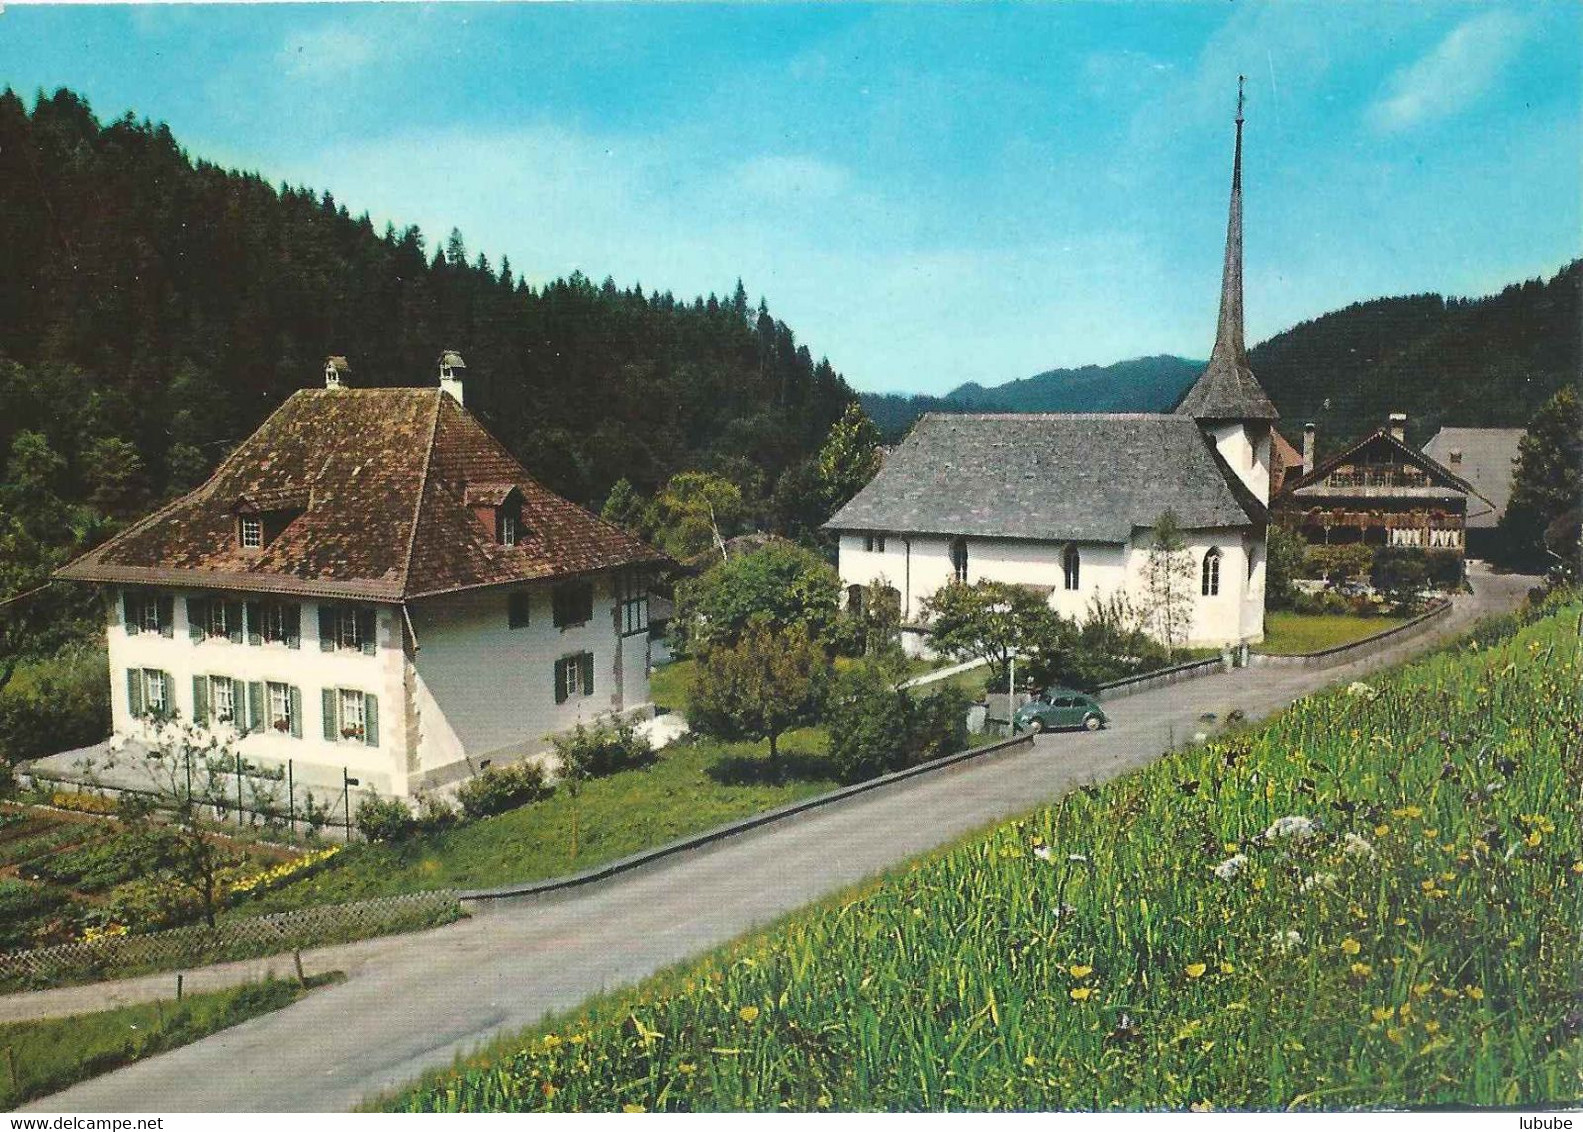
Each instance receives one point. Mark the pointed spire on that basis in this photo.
(1227, 389)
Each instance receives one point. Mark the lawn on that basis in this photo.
(51, 1054)
(693, 787)
(1288, 634)
(1371, 901)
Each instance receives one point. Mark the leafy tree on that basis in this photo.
(879, 617)
(1168, 580)
(117, 483)
(758, 687)
(989, 621)
(695, 513)
(624, 506)
(1285, 553)
(778, 587)
(1547, 483)
(849, 458)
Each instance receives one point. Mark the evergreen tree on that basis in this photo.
(1547, 483)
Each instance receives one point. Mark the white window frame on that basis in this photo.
(347, 630)
(572, 674)
(508, 530)
(252, 533)
(272, 614)
(153, 678)
(217, 684)
(350, 713)
(1071, 568)
(277, 710)
(633, 594)
(148, 614)
(217, 621)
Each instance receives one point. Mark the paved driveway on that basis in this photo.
(413, 1002)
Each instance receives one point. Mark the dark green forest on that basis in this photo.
(1487, 362)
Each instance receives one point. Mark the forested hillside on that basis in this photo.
(1487, 362)
(154, 308)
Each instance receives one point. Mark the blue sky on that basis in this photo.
(928, 194)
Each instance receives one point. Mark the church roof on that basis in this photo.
(1227, 389)
(1090, 477)
(382, 484)
(1486, 458)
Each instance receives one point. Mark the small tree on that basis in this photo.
(1168, 580)
(988, 621)
(1285, 553)
(776, 587)
(758, 687)
(848, 459)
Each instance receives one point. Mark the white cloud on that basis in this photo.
(1453, 75)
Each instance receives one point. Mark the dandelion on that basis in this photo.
(633, 1108)
(1381, 830)
(1081, 994)
(1231, 866)
(1226, 968)
(1431, 1027)
(1361, 970)
(1295, 826)
(1080, 971)
(1354, 846)
(1382, 1013)
(1475, 993)
(748, 1013)
(1350, 946)
(1194, 970)
(1030, 1061)
(686, 1068)
(1396, 1034)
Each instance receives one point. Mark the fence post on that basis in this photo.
(291, 800)
(10, 1060)
(239, 788)
(178, 986)
(296, 957)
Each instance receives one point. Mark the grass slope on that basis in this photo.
(1287, 634)
(56, 1052)
(1372, 900)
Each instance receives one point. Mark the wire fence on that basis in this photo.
(239, 937)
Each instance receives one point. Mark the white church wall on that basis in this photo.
(1246, 449)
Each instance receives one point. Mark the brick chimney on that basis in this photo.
(1399, 427)
(1308, 447)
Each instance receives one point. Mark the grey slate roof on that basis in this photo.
(1090, 477)
(1486, 463)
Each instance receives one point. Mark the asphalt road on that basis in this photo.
(413, 1002)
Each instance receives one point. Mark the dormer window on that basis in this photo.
(498, 509)
(252, 532)
(506, 528)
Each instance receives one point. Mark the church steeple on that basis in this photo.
(1227, 389)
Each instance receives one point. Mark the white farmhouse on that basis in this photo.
(371, 586)
(1066, 503)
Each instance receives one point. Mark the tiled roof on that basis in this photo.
(1083, 476)
(1487, 462)
(385, 474)
(1447, 484)
(1285, 460)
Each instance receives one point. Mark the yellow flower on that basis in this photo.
(633, 1108)
(1381, 830)
(1431, 1027)
(1258, 883)
(1421, 989)
(1475, 993)
(1381, 1013)
(1396, 1034)
(1577, 866)
(1226, 968)
(748, 1013)
(1533, 839)
(1350, 946)
(1400, 921)
(551, 1041)
(1080, 994)
(686, 1067)
(1427, 885)
(1431, 833)
(1030, 1060)
(1195, 969)
(1361, 970)
(1080, 971)
(1232, 846)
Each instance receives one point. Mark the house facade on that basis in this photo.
(371, 587)
(1381, 491)
(1067, 504)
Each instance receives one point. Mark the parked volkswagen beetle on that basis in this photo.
(1055, 708)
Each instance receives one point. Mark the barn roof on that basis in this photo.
(380, 482)
(1487, 460)
(1091, 477)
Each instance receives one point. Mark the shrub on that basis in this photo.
(435, 814)
(1399, 570)
(55, 705)
(1347, 562)
(876, 727)
(384, 819)
(498, 789)
(1445, 567)
(605, 748)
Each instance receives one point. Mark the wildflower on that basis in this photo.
(633, 1108)
(1361, 690)
(1194, 970)
(1317, 880)
(1288, 940)
(686, 1068)
(1297, 827)
(551, 1041)
(1431, 1027)
(1030, 1061)
(1354, 846)
(1381, 830)
(748, 1013)
(1077, 858)
(1396, 1034)
(1475, 993)
(1350, 946)
(1081, 994)
(1231, 866)
(1361, 970)
(1382, 1013)
(1226, 968)
(1042, 852)
(1080, 971)
(550, 1090)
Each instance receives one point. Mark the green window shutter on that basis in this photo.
(255, 623)
(255, 706)
(170, 693)
(327, 628)
(293, 626)
(200, 700)
(134, 691)
(371, 720)
(587, 661)
(130, 614)
(327, 705)
(167, 616)
(233, 621)
(367, 624)
(296, 711)
(560, 681)
(196, 616)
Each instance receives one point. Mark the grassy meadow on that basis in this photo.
(52, 1053)
(1373, 900)
(1288, 634)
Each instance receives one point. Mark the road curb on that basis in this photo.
(476, 900)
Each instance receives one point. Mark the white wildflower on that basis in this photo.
(1354, 846)
(1288, 940)
(1077, 858)
(1295, 826)
(1318, 880)
(1231, 866)
(1200, 736)
(1362, 690)
(1042, 852)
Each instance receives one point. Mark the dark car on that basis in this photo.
(1055, 708)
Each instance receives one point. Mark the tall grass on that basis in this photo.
(1408, 935)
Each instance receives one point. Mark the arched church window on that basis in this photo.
(1211, 574)
(959, 558)
(1071, 565)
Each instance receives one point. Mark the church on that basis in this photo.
(1067, 503)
